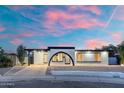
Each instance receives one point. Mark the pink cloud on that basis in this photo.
(57, 15)
(2, 28)
(65, 21)
(16, 41)
(94, 43)
(93, 9)
(117, 36)
(27, 34)
(84, 24)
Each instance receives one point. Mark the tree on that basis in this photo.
(21, 53)
(1, 51)
(4, 60)
(111, 49)
(121, 52)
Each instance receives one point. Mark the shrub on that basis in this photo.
(5, 61)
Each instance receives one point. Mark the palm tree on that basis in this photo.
(121, 52)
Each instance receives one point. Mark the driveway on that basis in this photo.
(33, 70)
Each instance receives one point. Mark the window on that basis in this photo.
(60, 57)
(97, 57)
(55, 58)
(79, 57)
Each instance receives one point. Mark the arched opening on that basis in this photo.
(61, 57)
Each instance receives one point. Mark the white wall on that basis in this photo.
(45, 57)
(40, 57)
(71, 52)
(105, 57)
(89, 56)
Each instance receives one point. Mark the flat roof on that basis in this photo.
(90, 50)
(60, 47)
(38, 49)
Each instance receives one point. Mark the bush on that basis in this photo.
(5, 62)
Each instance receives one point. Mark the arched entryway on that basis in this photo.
(66, 58)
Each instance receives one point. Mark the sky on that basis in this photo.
(82, 26)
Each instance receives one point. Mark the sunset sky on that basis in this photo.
(85, 27)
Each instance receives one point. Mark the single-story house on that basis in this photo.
(66, 56)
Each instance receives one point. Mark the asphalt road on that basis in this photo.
(57, 84)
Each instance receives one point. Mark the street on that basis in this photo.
(58, 84)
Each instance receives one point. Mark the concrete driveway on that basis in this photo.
(33, 70)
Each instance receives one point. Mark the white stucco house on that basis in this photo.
(66, 56)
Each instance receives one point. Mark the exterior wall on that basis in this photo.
(14, 59)
(40, 57)
(17, 61)
(71, 52)
(89, 59)
(43, 57)
(88, 56)
(105, 57)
